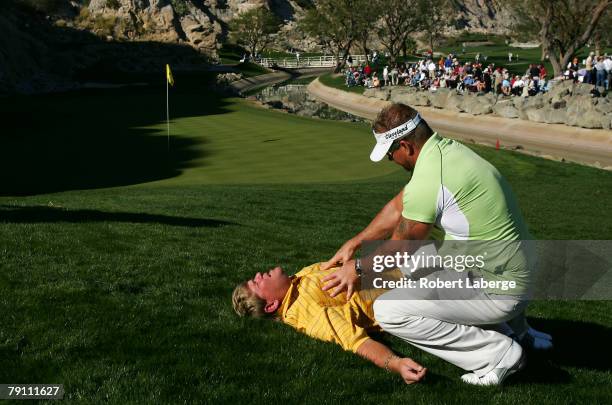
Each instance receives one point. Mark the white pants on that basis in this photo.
(452, 329)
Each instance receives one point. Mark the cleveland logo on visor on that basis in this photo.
(397, 132)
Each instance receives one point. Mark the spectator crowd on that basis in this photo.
(476, 76)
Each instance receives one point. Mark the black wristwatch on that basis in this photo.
(358, 268)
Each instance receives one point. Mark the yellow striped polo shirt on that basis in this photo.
(312, 311)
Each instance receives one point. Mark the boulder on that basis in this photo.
(506, 109)
(582, 89)
(559, 105)
(560, 89)
(382, 94)
(439, 97)
(518, 102)
(606, 121)
(546, 115)
(421, 99)
(411, 98)
(590, 119)
(604, 105)
(475, 105)
(581, 112)
(536, 101)
(453, 102)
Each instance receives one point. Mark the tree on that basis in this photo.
(397, 21)
(563, 26)
(336, 24)
(603, 34)
(435, 18)
(367, 14)
(254, 29)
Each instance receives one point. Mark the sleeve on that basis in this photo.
(421, 198)
(338, 325)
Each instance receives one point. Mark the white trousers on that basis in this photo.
(458, 330)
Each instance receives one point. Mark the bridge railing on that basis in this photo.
(310, 61)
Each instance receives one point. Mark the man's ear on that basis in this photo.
(271, 307)
(409, 147)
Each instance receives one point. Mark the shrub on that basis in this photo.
(114, 4)
(180, 7)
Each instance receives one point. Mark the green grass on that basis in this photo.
(337, 82)
(498, 54)
(249, 69)
(119, 258)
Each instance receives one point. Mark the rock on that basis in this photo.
(606, 121)
(518, 102)
(439, 97)
(411, 99)
(453, 102)
(581, 112)
(97, 6)
(604, 105)
(582, 89)
(558, 105)
(475, 105)
(422, 99)
(404, 90)
(545, 115)
(536, 101)
(560, 89)
(382, 94)
(506, 109)
(590, 119)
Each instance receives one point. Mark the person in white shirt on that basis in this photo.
(432, 69)
(518, 85)
(590, 74)
(394, 76)
(527, 85)
(386, 75)
(608, 67)
(600, 72)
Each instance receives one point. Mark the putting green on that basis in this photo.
(250, 144)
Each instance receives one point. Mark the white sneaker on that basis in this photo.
(513, 361)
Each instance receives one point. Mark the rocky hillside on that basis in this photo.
(487, 16)
(202, 24)
(48, 43)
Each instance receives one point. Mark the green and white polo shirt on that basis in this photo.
(466, 198)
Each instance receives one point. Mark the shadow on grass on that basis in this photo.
(42, 214)
(98, 138)
(577, 343)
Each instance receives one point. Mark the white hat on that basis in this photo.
(384, 140)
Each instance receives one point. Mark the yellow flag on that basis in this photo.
(169, 75)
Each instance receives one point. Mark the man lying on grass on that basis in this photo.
(299, 302)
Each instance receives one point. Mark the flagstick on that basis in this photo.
(168, 113)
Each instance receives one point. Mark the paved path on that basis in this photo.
(553, 141)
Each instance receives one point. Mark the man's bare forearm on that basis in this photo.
(385, 222)
(383, 357)
(378, 354)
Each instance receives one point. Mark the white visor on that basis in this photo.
(384, 140)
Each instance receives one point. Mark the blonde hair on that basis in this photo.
(246, 303)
